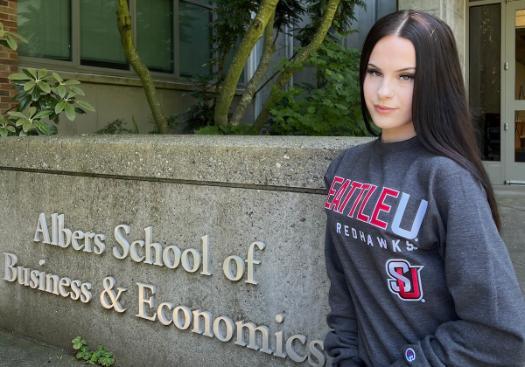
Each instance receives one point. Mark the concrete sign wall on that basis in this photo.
(186, 251)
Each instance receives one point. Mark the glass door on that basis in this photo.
(515, 93)
(485, 81)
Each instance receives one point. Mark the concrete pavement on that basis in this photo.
(17, 351)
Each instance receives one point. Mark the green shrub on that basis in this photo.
(42, 96)
(9, 39)
(242, 129)
(330, 108)
(100, 356)
(117, 126)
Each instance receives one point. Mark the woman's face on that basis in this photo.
(389, 83)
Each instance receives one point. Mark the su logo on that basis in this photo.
(404, 279)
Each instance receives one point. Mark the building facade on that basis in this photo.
(79, 38)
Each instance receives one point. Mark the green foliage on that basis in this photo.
(241, 129)
(5, 127)
(80, 345)
(10, 39)
(42, 97)
(48, 92)
(100, 356)
(198, 115)
(30, 119)
(117, 126)
(331, 108)
(233, 17)
(341, 24)
(231, 21)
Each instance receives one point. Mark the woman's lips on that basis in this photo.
(383, 110)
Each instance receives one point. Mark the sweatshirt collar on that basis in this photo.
(397, 146)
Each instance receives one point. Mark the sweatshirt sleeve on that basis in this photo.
(341, 341)
(490, 325)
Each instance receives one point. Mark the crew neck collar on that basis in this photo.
(396, 146)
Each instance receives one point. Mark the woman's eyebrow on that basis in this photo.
(370, 64)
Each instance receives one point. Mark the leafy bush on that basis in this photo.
(42, 97)
(9, 39)
(330, 108)
(100, 356)
(117, 126)
(242, 129)
(199, 114)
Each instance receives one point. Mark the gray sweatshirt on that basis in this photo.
(419, 273)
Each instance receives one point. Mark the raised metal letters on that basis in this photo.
(261, 338)
(113, 302)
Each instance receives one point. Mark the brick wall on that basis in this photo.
(8, 58)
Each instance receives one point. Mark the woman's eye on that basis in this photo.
(405, 77)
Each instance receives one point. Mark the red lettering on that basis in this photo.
(357, 200)
(416, 287)
(363, 217)
(332, 191)
(342, 206)
(339, 195)
(382, 207)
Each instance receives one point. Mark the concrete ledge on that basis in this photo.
(292, 162)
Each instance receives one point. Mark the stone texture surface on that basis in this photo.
(16, 351)
(511, 204)
(241, 160)
(291, 276)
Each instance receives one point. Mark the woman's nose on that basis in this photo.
(385, 89)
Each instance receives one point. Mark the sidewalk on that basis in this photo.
(16, 351)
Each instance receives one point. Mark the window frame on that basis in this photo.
(75, 66)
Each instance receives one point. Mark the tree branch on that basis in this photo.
(126, 38)
(302, 54)
(253, 33)
(268, 50)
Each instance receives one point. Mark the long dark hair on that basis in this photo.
(440, 111)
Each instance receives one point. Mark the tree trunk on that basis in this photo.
(253, 33)
(126, 38)
(268, 50)
(300, 57)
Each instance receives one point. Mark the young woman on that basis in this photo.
(419, 273)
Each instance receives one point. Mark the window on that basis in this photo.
(47, 26)
(155, 39)
(99, 35)
(195, 39)
(170, 35)
(485, 76)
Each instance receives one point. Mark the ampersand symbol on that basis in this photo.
(108, 298)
